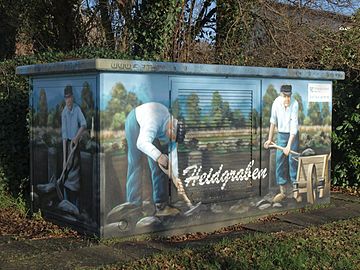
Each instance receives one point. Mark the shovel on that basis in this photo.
(62, 176)
(181, 191)
(306, 152)
(273, 145)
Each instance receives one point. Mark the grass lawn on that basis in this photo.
(331, 246)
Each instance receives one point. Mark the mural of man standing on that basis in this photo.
(284, 116)
(145, 127)
(73, 124)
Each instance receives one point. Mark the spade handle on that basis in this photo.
(273, 145)
(178, 184)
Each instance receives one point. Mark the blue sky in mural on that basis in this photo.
(298, 86)
(146, 87)
(54, 89)
(153, 87)
(149, 87)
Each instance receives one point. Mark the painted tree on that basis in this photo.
(118, 121)
(58, 111)
(50, 119)
(314, 114)
(117, 102)
(255, 119)
(54, 118)
(268, 99)
(87, 104)
(43, 109)
(325, 113)
(227, 114)
(132, 102)
(193, 110)
(216, 116)
(119, 106)
(301, 115)
(238, 119)
(176, 110)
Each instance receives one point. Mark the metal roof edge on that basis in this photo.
(58, 67)
(115, 65)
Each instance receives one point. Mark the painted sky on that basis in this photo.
(146, 87)
(298, 86)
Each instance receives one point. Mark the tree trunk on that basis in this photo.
(106, 23)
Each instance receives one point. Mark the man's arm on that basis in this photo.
(294, 126)
(145, 143)
(64, 137)
(82, 122)
(273, 122)
(270, 137)
(77, 137)
(287, 149)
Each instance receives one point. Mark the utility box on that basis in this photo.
(127, 147)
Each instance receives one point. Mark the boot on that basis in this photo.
(164, 209)
(124, 210)
(296, 194)
(47, 188)
(280, 196)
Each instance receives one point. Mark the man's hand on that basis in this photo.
(267, 144)
(163, 160)
(286, 150)
(74, 142)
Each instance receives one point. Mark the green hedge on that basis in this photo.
(346, 132)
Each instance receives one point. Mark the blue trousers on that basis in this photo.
(286, 166)
(136, 166)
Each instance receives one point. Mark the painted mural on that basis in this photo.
(211, 152)
(64, 149)
(297, 143)
(152, 152)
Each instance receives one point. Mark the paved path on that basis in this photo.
(81, 253)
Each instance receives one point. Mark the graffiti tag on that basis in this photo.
(195, 176)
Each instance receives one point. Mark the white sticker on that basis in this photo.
(319, 92)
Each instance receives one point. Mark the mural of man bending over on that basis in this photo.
(145, 127)
(284, 116)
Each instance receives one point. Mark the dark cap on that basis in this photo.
(68, 92)
(286, 89)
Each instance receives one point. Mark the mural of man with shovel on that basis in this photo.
(73, 124)
(284, 116)
(146, 126)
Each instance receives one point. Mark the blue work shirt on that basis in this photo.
(71, 121)
(153, 118)
(286, 119)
